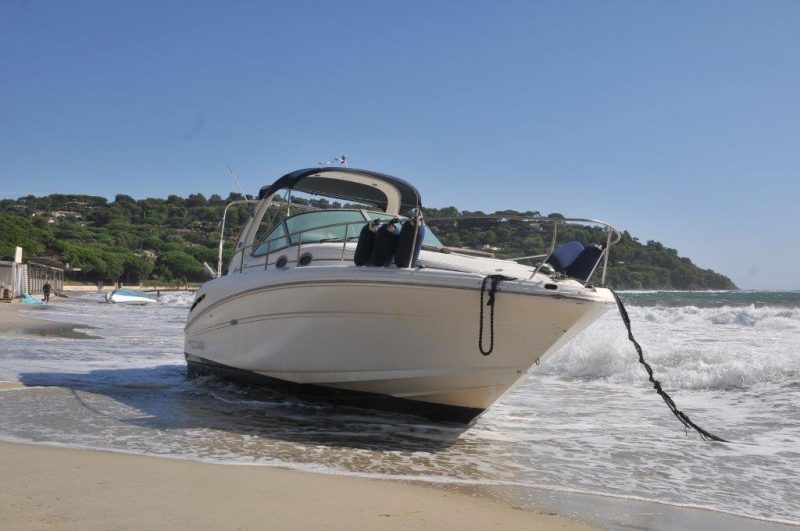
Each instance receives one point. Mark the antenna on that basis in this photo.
(241, 191)
(209, 270)
(342, 159)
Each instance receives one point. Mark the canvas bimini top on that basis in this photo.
(390, 194)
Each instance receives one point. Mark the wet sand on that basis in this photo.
(12, 322)
(61, 488)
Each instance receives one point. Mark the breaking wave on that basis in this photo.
(728, 347)
(177, 299)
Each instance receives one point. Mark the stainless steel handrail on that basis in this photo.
(612, 238)
(532, 219)
(549, 253)
(222, 229)
(610, 229)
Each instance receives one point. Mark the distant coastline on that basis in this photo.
(167, 240)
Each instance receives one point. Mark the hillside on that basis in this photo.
(168, 239)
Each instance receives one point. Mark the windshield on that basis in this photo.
(325, 226)
(313, 227)
(275, 240)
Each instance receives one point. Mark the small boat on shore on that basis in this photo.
(363, 305)
(129, 296)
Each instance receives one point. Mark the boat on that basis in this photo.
(128, 296)
(363, 305)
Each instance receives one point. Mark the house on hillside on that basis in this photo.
(66, 214)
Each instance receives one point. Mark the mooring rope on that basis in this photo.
(492, 292)
(683, 417)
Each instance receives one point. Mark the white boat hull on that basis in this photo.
(118, 298)
(408, 335)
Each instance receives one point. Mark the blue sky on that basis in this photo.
(678, 121)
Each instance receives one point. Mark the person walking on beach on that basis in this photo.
(46, 290)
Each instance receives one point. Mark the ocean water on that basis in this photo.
(586, 421)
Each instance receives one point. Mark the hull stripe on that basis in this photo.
(404, 284)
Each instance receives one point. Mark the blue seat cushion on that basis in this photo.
(582, 267)
(563, 257)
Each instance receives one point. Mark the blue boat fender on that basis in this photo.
(366, 241)
(408, 248)
(385, 245)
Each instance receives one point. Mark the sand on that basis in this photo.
(59, 488)
(14, 323)
(46, 487)
(10, 316)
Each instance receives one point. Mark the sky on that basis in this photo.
(677, 121)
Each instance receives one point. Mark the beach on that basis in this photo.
(46, 487)
(103, 429)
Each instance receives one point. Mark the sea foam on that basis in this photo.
(688, 347)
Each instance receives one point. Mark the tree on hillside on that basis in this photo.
(136, 268)
(195, 200)
(17, 231)
(181, 265)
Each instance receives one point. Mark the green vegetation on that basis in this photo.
(168, 239)
(128, 240)
(632, 265)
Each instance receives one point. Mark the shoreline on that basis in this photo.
(66, 488)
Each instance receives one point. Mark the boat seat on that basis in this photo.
(565, 255)
(584, 264)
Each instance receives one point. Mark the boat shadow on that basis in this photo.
(165, 398)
